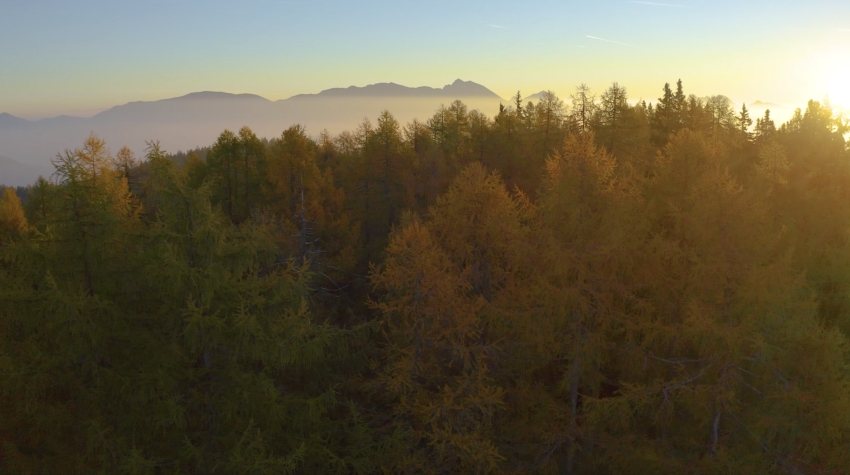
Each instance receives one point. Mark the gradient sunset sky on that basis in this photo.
(60, 57)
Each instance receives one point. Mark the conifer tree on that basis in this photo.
(550, 115)
(773, 165)
(256, 390)
(515, 157)
(91, 213)
(60, 308)
(236, 164)
(612, 108)
(430, 174)
(39, 201)
(679, 105)
(380, 180)
(713, 342)
(663, 117)
(518, 105)
(445, 287)
(434, 372)
(588, 221)
(314, 226)
(583, 108)
(818, 179)
(744, 122)
(722, 119)
(695, 115)
(13, 222)
(480, 127)
(126, 163)
(765, 129)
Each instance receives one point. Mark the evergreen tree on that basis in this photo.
(13, 222)
(663, 117)
(443, 285)
(744, 122)
(550, 115)
(765, 128)
(236, 166)
(587, 223)
(430, 173)
(612, 109)
(583, 108)
(313, 225)
(257, 388)
(722, 120)
(433, 371)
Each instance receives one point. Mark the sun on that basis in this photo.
(838, 87)
(828, 72)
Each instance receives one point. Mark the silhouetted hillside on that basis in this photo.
(534, 97)
(198, 106)
(14, 173)
(455, 90)
(194, 120)
(764, 104)
(10, 121)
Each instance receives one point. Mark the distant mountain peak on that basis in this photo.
(205, 95)
(456, 90)
(9, 119)
(764, 104)
(197, 119)
(535, 96)
(468, 89)
(15, 173)
(194, 99)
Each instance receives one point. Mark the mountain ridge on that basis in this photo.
(197, 119)
(458, 89)
(534, 97)
(9, 120)
(15, 173)
(216, 95)
(764, 104)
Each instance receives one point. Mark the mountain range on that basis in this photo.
(764, 105)
(196, 119)
(534, 97)
(390, 89)
(15, 173)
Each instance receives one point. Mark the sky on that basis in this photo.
(59, 57)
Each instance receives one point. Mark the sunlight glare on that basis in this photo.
(828, 71)
(839, 87)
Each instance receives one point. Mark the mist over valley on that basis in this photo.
(196, 119)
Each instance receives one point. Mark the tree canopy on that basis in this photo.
(590, 286)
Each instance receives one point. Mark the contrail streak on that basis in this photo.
(612, 41)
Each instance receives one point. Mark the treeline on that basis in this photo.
(585, 289)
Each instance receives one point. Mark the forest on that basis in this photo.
(578, 286)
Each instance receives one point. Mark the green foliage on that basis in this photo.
(13, 222)
(192, 352)
(589, 288)
(235, 166)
